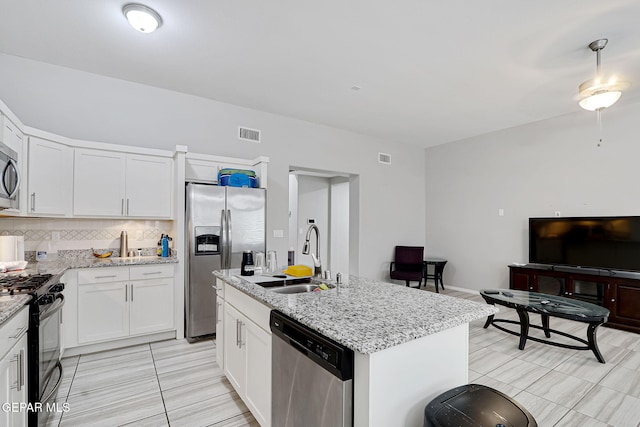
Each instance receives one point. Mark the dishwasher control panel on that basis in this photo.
(324, 351)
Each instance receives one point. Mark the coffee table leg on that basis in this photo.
(524, 327)
(591, 336)
(545, 325)
(488, 322)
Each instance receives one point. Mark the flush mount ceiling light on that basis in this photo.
(599, 93)
(141, 17)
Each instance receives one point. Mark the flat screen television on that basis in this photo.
(597, 242)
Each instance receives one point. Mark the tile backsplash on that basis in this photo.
(79, 234)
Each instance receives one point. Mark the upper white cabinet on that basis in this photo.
(11, 135)
(115, 184)
(149, 186)
(50, 177)
(99, 183)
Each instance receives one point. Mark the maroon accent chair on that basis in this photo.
(408, 265)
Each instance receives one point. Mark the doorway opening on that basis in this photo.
(330, 200)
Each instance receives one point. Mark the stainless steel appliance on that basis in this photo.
(9, 178)
(222, 223)
(43, 337)
(311, 377)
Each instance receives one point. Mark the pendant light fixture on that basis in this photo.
(599, 93)
(141, 17)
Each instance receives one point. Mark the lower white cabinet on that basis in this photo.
(119, 302)
(220, 323)
(13, 369)
(247, 351)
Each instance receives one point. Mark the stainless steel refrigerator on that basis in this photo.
(221, 222)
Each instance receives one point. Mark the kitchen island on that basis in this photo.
(409, 345)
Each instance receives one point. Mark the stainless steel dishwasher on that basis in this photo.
(312, 377)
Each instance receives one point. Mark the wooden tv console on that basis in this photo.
(615, 290)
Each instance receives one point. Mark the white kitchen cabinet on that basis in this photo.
(99, 183)
(13, 368)
(151, 303)
(103, 311)
(247, 352)
(234, 357)
(121, 302)
(220, 323)
(149, 186)
(115, 184)
(11, 135)
(50, 177)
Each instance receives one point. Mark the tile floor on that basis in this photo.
(179, 384)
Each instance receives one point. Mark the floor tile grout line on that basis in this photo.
(164, 405)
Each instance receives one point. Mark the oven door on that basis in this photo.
(49, 347)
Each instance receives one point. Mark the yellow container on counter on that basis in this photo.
(298, 270)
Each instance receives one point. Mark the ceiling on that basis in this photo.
(429, 72)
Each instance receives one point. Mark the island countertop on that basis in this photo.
(367, 315)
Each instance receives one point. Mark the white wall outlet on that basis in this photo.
(55, 236)
(501, 212)
(557, 214)
(278, 233)
(139, 234)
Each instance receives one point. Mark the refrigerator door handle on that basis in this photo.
(223, 235)
(229, 241)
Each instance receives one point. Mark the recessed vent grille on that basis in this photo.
(246, 134)
(384, 158)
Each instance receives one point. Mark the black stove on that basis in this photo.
(34, 284)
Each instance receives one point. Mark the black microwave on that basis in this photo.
(9, 178)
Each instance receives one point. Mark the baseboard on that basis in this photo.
(112, 345)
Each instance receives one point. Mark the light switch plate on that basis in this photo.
(278, 233)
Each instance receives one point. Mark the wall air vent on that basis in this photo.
(384, 158)
(246, 134)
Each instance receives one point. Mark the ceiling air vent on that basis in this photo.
(384, 158)
(246, 134)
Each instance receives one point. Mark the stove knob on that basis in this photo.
(46, 299)
(57, 288)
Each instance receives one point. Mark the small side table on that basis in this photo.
(438, 270)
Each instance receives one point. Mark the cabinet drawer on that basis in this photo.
(12, 329)
(250, 307)
(143, 272)
(103, 275)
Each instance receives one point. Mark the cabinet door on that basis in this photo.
(521, 280)
(12, 137)
(624, 304)
(19, 381)
(98, 183)
(5, 387)
(220, 331)
(258, 373)
(151, 304)
(149, 189)
(103, 311)
(50, 177)
(13, 384)
(234, 348)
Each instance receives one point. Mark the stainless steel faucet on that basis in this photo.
(317, 264)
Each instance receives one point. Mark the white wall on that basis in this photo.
(313, 202)
(87, 106)
(339, 226)
(529, 171)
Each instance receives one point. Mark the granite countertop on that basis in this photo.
(61, 265)
(367, 315)
(11, 304)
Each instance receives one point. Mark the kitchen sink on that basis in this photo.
(294, 289)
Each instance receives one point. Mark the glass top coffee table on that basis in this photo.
(525, 302)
